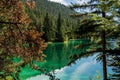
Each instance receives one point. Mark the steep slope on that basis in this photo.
(45, 17)
(53, 8)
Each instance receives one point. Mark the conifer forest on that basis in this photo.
(59, 39)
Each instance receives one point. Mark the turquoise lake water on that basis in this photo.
(60, 64)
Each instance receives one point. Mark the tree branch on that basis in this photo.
(2, 22)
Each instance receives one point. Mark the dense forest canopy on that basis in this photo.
(45, 16)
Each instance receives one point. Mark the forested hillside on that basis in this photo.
(45, 6)
(53, 19)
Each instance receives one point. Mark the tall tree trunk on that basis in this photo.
(104, 52)
(104, 56)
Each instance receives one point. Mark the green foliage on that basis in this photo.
(59, 29)
(50, 25)
(48, 29)
(102, 18)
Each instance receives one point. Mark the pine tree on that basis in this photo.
(48, 29)
(101, 22)
(59, 35)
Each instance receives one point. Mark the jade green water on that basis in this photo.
(57, 60)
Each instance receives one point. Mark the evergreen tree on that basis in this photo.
(47, 28)
(59, 35)
(101, 22)
(114, 62)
